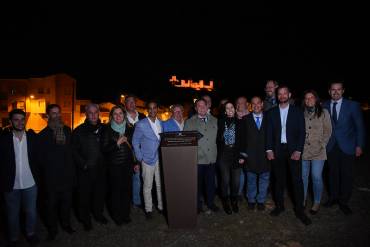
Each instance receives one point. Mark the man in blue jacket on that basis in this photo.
(345, 144)
(176, 122)
(146, 142)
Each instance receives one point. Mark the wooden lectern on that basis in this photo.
(179, 162)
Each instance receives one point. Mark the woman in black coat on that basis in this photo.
(228, 142)
(120, 159)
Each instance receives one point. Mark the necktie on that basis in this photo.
(335, 116)
(258, 123)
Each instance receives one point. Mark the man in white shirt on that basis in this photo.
(18, 176)
(146, 141)
(284, 144)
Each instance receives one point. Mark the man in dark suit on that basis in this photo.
(18, 176)
(257, 166)
(284, 145)
(346, 143)
(133, 116)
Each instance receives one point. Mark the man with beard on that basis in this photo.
(270, 90)
(90, 168)
(345, 144)
(57, 171)
(18, 177)
(284, 145)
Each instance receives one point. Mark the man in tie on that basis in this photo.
(257, 166)
(345, 144)
(206, 124)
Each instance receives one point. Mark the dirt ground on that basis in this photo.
(248, 228)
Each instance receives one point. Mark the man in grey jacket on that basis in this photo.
(206, 124)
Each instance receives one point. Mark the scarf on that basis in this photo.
(310, 109)
(56, 125)
(229, 121)
(120, 128)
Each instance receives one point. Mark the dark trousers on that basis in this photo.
(58, 204)
(206, 180)
(340, 175)
(120, 181)
(230, 176)
(91, 193)
(16, 200)
(280, 165)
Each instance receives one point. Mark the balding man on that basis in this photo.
(176, 122)
(90, 167)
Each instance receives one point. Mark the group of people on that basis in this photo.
(120, 160)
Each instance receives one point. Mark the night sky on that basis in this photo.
(137, 48)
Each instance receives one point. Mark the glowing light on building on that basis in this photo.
(191, 84)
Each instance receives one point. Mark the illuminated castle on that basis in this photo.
(191, 84)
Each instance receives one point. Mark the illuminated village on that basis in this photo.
(33, 95)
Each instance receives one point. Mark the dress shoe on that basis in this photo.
(260, 206)
(12, 244)
(87, 226)
(126, 220)
(345, 209)
(234, 205)
(277, 211)
(304, 219)
(330, 203)
(137, 207)
(51, 236)
(101, 220)
(240, 198)
(228, 210)
(148, 215)
(68, 229)
(200, 210)
(214, 208)
(251, 205)
(33, 240)
(226, 206)
(315, 209)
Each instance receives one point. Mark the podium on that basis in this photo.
(179, 162)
